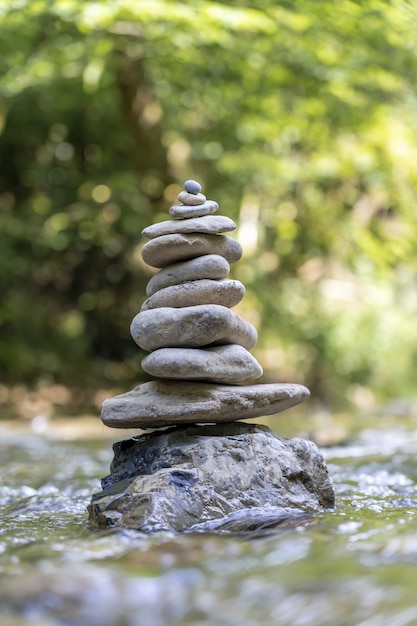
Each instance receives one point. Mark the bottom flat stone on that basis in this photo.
(163, 403)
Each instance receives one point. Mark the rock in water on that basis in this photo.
(195, 478)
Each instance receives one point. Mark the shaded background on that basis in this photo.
(299, 118)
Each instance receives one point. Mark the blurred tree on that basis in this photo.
(299, 118)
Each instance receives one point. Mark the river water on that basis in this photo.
(355, 566)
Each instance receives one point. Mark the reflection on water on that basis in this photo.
(354, 566)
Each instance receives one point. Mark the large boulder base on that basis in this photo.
(235, 476)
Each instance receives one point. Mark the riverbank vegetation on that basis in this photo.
(300, 119)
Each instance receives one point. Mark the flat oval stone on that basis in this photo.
(182, 211)
(191, 327)
(192, 186)
(225, 292)
(167, 249)
(209, 224)
(161, 403)
(230, 364)
(191, 199)
(210, 266)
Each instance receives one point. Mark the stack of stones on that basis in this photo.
(202, 373)
(198, 347)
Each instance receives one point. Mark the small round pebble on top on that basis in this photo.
(192, 186)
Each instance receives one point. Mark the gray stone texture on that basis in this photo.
(192, 186)
(236, 476)
(167, 249)
(230, 364)
(191, 199)
(228, 293)
(182, 211)
(191, 327)
(210, 266)
(210, 224)
(160, 403)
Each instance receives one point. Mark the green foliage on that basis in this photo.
(299, 118)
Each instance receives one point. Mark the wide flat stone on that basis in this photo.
(230, 364)
(164, 403)
(225, 292)
(210, 266)
(183, 211)
(210, 224)
(167, 249)
(228, 477)
(191, 327)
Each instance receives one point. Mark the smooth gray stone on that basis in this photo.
(210, 224)
(161, 403)
(235, 477)
(191, 199)
(225, 292)
(168, 249)
(192, 186)
(210, 266)
(182, 211)
(191, 327)
(230, 364)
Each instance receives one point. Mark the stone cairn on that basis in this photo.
(202, 369)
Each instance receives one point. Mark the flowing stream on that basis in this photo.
(355, 566)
